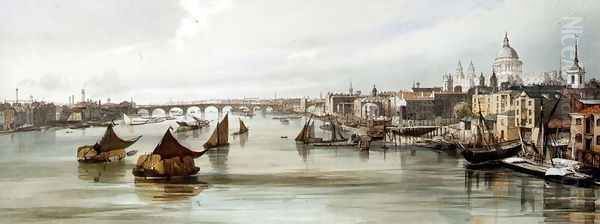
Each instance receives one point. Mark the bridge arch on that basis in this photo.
(176, 111)
(143, 111)
(158, 111)
(227, 109)
(243, 108)
(194, 110)
(269, 109)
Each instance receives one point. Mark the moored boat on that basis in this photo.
(169, 159)
(487, 150)
(110, 148)
(492, 152)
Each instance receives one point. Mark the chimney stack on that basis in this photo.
(17, 96)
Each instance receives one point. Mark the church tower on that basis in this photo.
(350, 90)
(459, 71)
(575, 72)
(481, 80)
(494, 82)
(471, 76)
(374, 91)
(448, 82)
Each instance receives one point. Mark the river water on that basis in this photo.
(263, 178)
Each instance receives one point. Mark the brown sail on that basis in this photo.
(220, 136)
(169, 147)
(110, 141)
(303, 135)
(243, 128)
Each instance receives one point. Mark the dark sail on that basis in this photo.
(220, 136)
(110, 141)
(243, 127)
(303, 135)
(169, 147)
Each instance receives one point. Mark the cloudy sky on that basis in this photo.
(156, 51)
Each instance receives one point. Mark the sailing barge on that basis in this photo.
(169, 159)
(243, 128)
(220, 136)
(488, 151)
(307, 134)
(110, 148)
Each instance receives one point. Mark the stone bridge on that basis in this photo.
(281, 105)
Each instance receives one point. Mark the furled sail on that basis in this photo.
(169, 147)
(110, 141)
(220, 136)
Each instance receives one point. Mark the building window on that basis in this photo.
(598, 122)
(578, 121)
(572, 79)
(578, 138)
(598, 140)
(529, 103)
(529, 112)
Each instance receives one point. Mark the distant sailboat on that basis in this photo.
(110, 148)
(307, 133)
(243, 128)
(220, 136)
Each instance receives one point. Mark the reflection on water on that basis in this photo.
(261, 173)
(114, 172)
(218, 158)
(168, 190)
(303, 152)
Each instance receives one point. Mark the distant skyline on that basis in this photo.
(156, 51)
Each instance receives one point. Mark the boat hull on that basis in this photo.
(151, 174)
(479, 155)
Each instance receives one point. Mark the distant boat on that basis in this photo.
(336, 136)
(110, 148)
(220, 135)
(134, 121)
(284, 121)
(307, 134)
(243, 128)
(169, 159)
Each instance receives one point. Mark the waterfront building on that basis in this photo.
(445, 102)
(506, 129)
(341, 104)
(494, 103)
(585, 133)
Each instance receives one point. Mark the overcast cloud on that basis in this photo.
(155, 51)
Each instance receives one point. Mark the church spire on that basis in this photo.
(576, 59)
(505, 43)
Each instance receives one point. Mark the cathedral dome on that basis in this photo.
(507, 51)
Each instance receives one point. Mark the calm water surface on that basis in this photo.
(263, 178)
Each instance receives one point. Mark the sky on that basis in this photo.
(160, 51)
